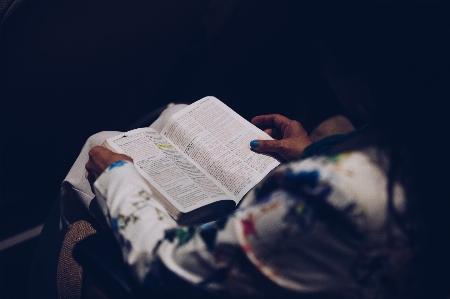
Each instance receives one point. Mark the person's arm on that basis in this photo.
(277, 241)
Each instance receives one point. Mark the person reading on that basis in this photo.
(358, 215)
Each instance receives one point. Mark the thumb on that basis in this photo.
(267, 146)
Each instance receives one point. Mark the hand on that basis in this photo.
(290, 136)
(99, 159)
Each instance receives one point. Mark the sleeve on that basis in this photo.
(279, 239)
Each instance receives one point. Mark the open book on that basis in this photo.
(200, 165)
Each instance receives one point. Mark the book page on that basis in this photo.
(168, 170)
(217, 139)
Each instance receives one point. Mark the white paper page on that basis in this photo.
(167, 169)
(217, 139)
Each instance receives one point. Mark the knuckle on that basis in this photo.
(95, 150)
(282, 145)
(275, 145)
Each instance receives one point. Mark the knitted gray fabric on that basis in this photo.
(70, 273)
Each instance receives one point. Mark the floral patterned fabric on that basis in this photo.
(316, 226)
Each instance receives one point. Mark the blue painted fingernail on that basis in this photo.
(254, 143)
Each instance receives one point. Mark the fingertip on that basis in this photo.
(254, 143)
(254, 120)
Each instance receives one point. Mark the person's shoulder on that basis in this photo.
(367, 166)
(354, 178)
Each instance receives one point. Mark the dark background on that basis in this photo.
(70, 69)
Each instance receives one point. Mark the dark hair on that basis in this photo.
(403, 51)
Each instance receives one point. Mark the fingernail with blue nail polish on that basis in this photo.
(254, 143)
